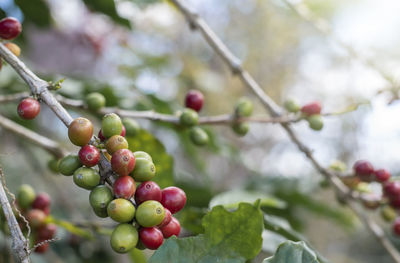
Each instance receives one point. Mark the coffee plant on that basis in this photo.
(129, 198)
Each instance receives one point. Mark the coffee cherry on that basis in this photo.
(131, 126)
(311, 108)
(150, 213)
(28, 108)
(47, 231)
(36, 218)
(382, 175)
(391, 189)
(95, 101)
(171, 229)
(338, 166)
(243, 108)
(194, 100)
(396, 226)
(99, 199)
(80, 131)
(151, 237)
(123, 162)
(111, 125)
(350, 181)
(123, 131)
(13, 48)
(144, 170)
(198, 136)
(166, 220)
(148, 191)
(315, 122)
(141, 154)
(26, 195)
(188, 118)
(388, 213)
(173, 198)
(124, 187)
(101, 136)
(52, 164)
(291, 106)
(241, 128)
(42, 201)
(86, 178)
(9, 28)
(124, 238)
(69, 164)
(89, 155)
(43, 248)
(364, 170)
(121, 210)
(394, 201)
(115, 143)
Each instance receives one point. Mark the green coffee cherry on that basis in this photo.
(291, 106)
(95, 101)
(26, 195)
(243, 108)
(338, 166)
(69, 164)
(99, 199)
(111, 125)
(144, 170)
(189, 118)
(150, 213)
(121, 210)
(315, 122)
(388, 213)
(86, 178)
(124, 238)
(141, 154)
(241, 128)
(53, 165)
(198, 136)
(132, 127)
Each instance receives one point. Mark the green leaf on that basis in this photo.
(108, 8)
(190, 219)
(293, 252)
(137, 256)
(146, 142)
(36, 11)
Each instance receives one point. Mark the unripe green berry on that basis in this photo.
(53, 165)
(86, 178)
(121, 210)
(99, 199)
(189, 118)
(95, 101)
(198, 136)
(150, 213)
(241, 128)
(388, 213)
(124, 238)
(115, 143)
(338, 166)
(244, 107)
(315, 122)
(291, 106)
(26, 195)
(69, 164)
(131, 126)
(100, 212)
(144, 170)
(111, 125)
(141, 154)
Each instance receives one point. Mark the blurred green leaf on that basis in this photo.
(190, 219)
(197, 195)
(108, 8)
(293, 252)
(36, 11)
(2, 14)
(137, 256)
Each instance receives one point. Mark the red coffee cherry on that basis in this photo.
(43, 248)
(396, 226)
(148, 191)
(123, 132)
(311, 108)
(171, 229)
(364, 170)
(194, 100)
(173, 198)
(42, 201)
(89, 155)
(36, 218)
(123, 162)
(124, 187)
(391, 189)
(28, 108)
(101, 136)
(80, 131)
(9, 28)
(167, 218)
(394, 201)
(382, 175)
(151, 237)
(47, 231)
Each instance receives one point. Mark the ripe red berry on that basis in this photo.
(312, 108)
(101, 136)
(391, 189)
(171, 229)
(396, 226)
(47, 231)
(123, 132)
(9, 28)
(42, 201)
(151, 237)
(28, 108)
(394, 201)
(364, 170)
(89, 155)
(43, 248)
(167, 218)
(382, 175)
(194, 100)
(124, 187)
(123, 162)
(148, 191)
(173, 198)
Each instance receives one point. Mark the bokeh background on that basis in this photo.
(347, 58)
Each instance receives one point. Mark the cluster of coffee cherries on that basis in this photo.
(144, 214)
(10, 28)
(310, 111)
(36, 208)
